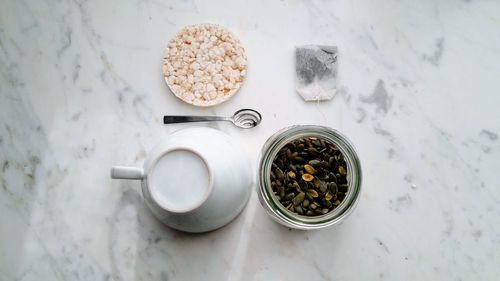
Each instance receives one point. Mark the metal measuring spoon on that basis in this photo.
(243, 118)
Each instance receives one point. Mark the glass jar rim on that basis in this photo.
(271, 149)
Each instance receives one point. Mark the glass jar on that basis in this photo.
(269, 201)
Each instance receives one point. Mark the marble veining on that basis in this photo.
(81, 89)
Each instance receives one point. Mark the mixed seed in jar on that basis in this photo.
(309, 176)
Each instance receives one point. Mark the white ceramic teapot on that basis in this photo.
(197, 180)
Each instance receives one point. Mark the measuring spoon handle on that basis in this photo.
(170, 119)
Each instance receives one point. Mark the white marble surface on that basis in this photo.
(81, 89)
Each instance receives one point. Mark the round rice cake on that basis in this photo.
(204, 64)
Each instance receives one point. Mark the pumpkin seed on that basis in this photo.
(309, 169)
(328, 196)
(281, 191)
(299, 159)
(300, 147)
(308, 143)
(325, 203)
(296, 186)
(331, 161)
(299, 210)
(333, 187)
(309, 197)
(307, 177)
(297, 200)
(342, 171)
(323, 187)
(304, 154)
(310, 185)
(312, 151)
(314, 162)
(342, 187)
(332, 177)
(313, 193)
(317, 183)
(306, 203)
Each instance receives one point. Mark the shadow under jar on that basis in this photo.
(271, 202)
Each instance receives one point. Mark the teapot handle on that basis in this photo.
(127, 173)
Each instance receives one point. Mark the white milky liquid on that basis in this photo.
(180, 180)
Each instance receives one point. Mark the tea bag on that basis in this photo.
(316, 72)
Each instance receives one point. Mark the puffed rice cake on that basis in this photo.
(204, 64)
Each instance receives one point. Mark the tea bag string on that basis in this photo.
(316, 97)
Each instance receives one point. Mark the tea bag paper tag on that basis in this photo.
(316, 72)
